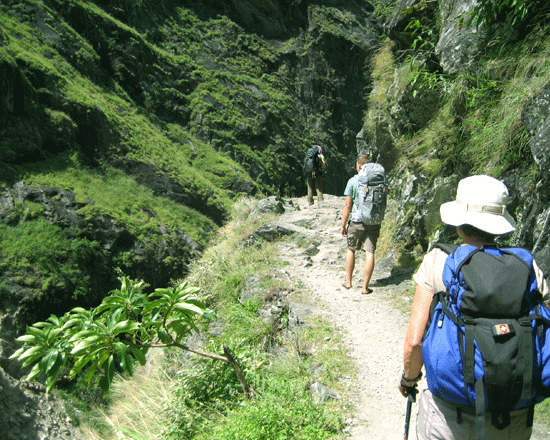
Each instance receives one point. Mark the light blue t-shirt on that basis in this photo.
(353, 191)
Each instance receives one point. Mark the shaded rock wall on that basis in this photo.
(417, 198)
(26, 413)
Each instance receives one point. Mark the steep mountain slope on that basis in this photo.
(132, 127)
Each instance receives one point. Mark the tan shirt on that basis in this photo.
(429, 275)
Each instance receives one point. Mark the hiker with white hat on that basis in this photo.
(481, 203)
(479, 215)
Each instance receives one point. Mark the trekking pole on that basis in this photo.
(410, 400)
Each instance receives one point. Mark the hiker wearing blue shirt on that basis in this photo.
(362, 217)
(479, 214)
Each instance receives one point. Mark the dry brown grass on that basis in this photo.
(137, 404)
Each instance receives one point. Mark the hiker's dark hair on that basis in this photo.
(362, 160)
(472, 230)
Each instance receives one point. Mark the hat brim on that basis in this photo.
(453, 214)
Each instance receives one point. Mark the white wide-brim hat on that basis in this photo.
(480, 202)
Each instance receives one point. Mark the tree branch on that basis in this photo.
(229, 358)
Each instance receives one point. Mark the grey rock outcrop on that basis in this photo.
(424, 198)
(458, 45)
(536, 119)
(271, 205)
(27, 413)
(533, 200)
(321, 393)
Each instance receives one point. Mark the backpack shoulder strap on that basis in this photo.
(439, 297)
(448, 248)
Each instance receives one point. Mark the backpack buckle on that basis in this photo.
(525, 322)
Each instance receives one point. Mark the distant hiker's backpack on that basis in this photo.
(486, 342)
(371, 202)
(311, 161)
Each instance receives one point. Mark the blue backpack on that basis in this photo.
(485, 345)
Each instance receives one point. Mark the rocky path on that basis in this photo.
(373, 328)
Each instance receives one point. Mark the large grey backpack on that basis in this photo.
(372, 195)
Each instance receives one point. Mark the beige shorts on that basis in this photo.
(359, 234)
(437, 420)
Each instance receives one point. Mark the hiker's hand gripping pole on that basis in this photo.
(410, 400)
(409, 386)
(410, 392)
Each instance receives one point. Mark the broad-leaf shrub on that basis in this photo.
(112, 336)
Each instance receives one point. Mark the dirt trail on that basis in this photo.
(373, 329)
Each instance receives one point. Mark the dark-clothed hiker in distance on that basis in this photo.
(475, 312)
(314, 163)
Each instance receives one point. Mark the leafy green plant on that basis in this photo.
(425, 37)
(115, 334)
(517, 12)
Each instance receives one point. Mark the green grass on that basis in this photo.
(57, 261)
(209, 404)
(542, 414)
(108, 191)
(284, 411)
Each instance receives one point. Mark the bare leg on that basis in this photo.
(369, 268)
(350, 266)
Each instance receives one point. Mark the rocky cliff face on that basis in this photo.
(456, 49)
(27, 413)
(534, 200)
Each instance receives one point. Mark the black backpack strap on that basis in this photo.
(448, 248)
(469, 351)
(525, 356)
(500, 419)
(480, 409)
(530, 416)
